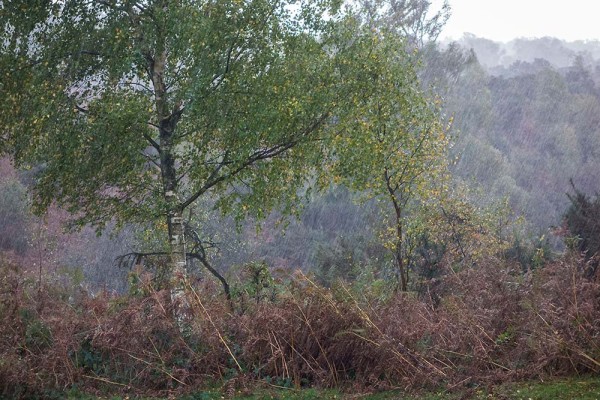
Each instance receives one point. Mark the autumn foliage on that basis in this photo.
(476, 327)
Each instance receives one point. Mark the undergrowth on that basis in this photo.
(468, 330)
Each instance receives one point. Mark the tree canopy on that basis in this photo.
(135, 109)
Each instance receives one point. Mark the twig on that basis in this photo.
(476, 358)
(159, 368)
(581, 353)
(104, 380)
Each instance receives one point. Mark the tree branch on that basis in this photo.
(81, 109)
(152, 142)
(130, 259)
(213, 271)
(258, 155)
(153, 161)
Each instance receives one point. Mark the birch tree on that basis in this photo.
(395, 146)
(133, 110)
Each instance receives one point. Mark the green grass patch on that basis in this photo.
(569, 389)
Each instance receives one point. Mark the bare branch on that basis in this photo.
(152, 141)
(134, 258)
(152, 160)
(81, 109)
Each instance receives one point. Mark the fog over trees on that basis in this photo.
(524, 122)
(302, 193)
(527, 127)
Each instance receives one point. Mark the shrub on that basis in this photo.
(582, 220)
(477, 326)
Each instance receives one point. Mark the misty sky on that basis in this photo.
(503, 20)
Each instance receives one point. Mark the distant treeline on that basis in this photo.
(527, 115)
